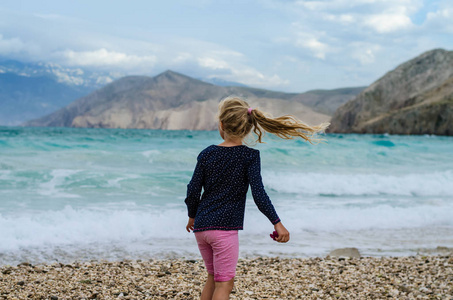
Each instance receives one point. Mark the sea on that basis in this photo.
(73, 194)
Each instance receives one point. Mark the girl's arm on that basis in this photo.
(260, 196)
(262, 199)
(194, 189)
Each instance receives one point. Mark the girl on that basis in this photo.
(225, 171)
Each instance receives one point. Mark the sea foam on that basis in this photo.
(361, 184)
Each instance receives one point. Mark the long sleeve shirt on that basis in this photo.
(224, 174)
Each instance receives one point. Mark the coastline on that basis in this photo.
(421, 277)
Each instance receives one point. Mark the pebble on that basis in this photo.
(415, 277)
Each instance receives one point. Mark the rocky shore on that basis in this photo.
(415, 277)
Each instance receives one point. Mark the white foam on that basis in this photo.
(5, 174)
(115, 182)
(428, 184)
(151, 154)
(51, 187)
(129, 229)
(84, 226)
(370, 218)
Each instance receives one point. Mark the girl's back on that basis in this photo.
(225, 174)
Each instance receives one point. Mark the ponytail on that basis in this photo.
(239, 119)
(286, 127)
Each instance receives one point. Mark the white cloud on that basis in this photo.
(11, 46)
(253, 77)
(311, 40)
(213, 64)
(386, 23)
(350, 5)
(240, 73)
(182, 57)
(319, 49)
(364, 52)
(17, 47)
(444, 13)
(441, 20)
(105, 58)
(383, 16)
(343, 18)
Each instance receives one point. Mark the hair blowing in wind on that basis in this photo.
(237, 121)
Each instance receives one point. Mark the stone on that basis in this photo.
(24, 264)
(345, 253)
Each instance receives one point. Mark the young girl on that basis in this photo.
(225, 171)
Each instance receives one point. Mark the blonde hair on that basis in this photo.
(237, 122)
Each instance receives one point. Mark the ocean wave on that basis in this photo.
(322, 184)
(83, 226)
(136, 231)
(129, 223)
(58, 177)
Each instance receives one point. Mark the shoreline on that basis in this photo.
(407, 277)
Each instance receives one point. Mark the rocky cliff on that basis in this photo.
(415, 98)
(172, 101)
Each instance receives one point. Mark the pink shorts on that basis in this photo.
(220, 252)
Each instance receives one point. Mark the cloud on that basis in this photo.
(370, 6)
(383, 16)
(386, 23)
(240, 73)
(441, 20)
(342, 18)
(318, 48)
(105, 58)
(11, 45)
(182, 57)
(364, 52)
(310, 40)
(213, 64)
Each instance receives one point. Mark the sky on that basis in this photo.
(283, 45)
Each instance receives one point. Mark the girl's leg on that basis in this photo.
(226, 254)
(223, 290)
(207, 254)
(209, 288)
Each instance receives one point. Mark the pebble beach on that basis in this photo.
(414, 277)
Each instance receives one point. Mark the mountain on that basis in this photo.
(168, 101)
(31, 90)
(74, 77)
(327, 101)
(414, 98)
(24, 98)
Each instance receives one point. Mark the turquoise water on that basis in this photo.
(76, 194)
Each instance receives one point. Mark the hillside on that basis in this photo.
(327, 101)
(168, 101)
(32, 90)
(24, 98)
(415, 98)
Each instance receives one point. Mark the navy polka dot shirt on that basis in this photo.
(225, 173)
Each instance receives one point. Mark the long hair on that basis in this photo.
(237, 122)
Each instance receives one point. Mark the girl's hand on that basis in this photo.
(283, 234)
(190, 224)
